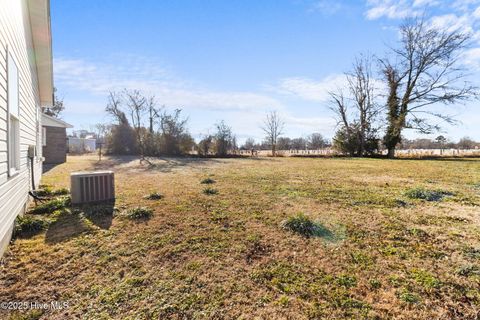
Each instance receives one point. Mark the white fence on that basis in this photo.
(400, 153)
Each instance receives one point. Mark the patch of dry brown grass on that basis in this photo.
(227, 256)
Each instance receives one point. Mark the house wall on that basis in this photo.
(15, 37)
(55, 150)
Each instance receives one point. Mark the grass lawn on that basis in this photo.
(221, 249)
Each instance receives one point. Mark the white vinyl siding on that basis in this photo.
(16, 40)
(13, 127)
(44, 136)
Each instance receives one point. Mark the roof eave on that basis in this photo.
(49, 121)
(39, 12)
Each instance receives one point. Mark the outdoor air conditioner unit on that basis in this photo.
(88, 187)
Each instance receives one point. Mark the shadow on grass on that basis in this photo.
(168, 164)
(48, 167)
(100, 215)
(323, 232)
(162, 164)
(307, 228)
(70, 223)
(66, 226)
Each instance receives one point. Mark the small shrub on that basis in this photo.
(207, 181)
(425, 279)
(51, 206)
(375, 284)
(44, 191)
(27, 225)
(283, 301)
(401, 203)
(409, 297)
(304, 226)
(428, 195)
(472, 252)
(210, 191)
(48, 191)
(154, 196)
(468, 270)
(139, 213)
(347, 281)
(61, 192)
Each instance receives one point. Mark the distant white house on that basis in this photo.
(81, 145)
(25, 87)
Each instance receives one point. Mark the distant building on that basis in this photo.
(54, 132)
(81, 145)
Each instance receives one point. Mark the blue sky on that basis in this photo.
(236, 60)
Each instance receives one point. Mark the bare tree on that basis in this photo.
(205, 145)
(121, 139)
(224, 139)
(153, 113)
(273, 126)
(359, 103)
(173, 129)
(100, 130)
(249, 144)
(114, 108)
(137, 106)
(317, 141)
(361, 86)
(339, 106)
(425, 73)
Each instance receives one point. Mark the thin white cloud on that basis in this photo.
(391, 9)
(462, 15)
(452, 22)
(324, 125)
(327, 7)
(99, 79)
(309, 89)
(464, 5)
(426, 3)
(472, 58)
(476, 13)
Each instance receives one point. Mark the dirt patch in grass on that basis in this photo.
(226, 256)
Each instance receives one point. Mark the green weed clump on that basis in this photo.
(51, 206)
(139, 213)
(303, 225)
(425, 194)
(468, 270)
(409, 297)
(210, 191)
(207, 181)
(154, 196)
(48, 191)
(27, 225)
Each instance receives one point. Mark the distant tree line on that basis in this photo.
(315, 141)
(142, 128)
(382, 97)
(440, 142)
